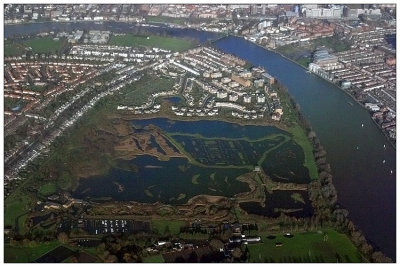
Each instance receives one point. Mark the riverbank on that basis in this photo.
(346, 92)
(337, 124)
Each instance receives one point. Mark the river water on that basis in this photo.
(361, 158)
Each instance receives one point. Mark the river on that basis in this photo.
(361, 157)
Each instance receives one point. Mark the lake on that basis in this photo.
(177, 180)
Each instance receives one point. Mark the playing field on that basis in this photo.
(173, 44)
(329, 246)
(45, 45)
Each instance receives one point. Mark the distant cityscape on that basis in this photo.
(366, 69)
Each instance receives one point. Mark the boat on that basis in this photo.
(391, 172)
(384, 146)
(384, 161)
(362, 124)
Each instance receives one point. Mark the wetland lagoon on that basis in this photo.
(214, 155)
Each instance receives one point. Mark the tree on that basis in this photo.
(192, 257)
(25, 242)
(63, 238)
(237, 253)
(101, 247)
(226, 235)
(366, 249)
(378, 256)
(216, 244)
(111, 258)
(14, 243)
(127, 257)
(167, 232)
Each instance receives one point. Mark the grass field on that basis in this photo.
(305, 247)
(137, 93)
(48, 189)
(301, 139)
(161, 19)
(28, 254)
(332, 42)
(161, 225)
(298, 53)
(45, 45)
(16, 205)
(13, 49)
(173, 44)
(304, 61)
(154, 259)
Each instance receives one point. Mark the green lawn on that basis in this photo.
(301, 139)
(22, 229)
(27, 254)
(154, 259)
(173, 44)
(13, 49)
(296, 52)
(16, 205)
(45, 45)
(48, 189)
(332, 42)
(304, 61)
(161, 19)
(305, 247)
(138, 92)
(161, 225)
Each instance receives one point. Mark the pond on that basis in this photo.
(214, 154)
(292, 203)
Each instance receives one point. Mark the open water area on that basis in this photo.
(362, 160)
(177, 180)
(281, 201)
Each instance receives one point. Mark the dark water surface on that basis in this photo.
(391, 39)
(281, 201)
(162, 181)
(167, 181)
(208, 128)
